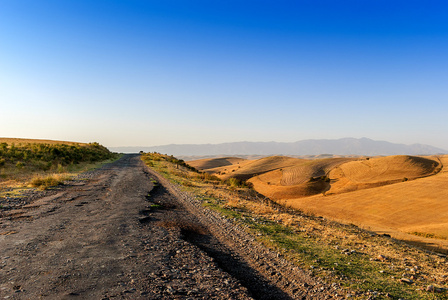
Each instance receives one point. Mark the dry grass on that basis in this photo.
(234, 203)
(18, 141)
(22, 182)
(48, 181)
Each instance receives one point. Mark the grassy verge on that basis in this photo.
(364, 264)
(14, 181)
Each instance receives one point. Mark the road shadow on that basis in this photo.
(232, 263)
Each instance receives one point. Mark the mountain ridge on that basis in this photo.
(343, 146)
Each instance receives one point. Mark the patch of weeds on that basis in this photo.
(44, 183)
(215, 205)
(428, 235)
(188, 184)
(156, 206)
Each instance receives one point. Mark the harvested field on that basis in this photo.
(415, 210)
(211, 163)
(314, 168)
(280, 192)
(261, 166)
(388, 168)
(375, 172)
(401, 195)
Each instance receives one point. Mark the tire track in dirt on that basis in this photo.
(172, 215)
(91, 245)
(263, 272)
(107, 238)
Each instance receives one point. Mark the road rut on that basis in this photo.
(117, 236)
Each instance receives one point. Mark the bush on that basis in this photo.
(43, 165)
(60, 168)
(235, 183)
(44, 183)
(208, 177)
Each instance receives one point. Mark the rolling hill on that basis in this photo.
(413, 208)
(282, 177)
(204, 164)
(402, 195)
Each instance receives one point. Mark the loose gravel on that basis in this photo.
(111, 234)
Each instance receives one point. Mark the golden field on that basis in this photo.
(404, 196)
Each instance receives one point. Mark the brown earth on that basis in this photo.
(120, 236)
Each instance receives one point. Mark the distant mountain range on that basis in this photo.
(345, 146)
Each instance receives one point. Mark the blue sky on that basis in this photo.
(143, 73)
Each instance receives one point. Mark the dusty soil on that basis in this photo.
(118, 235)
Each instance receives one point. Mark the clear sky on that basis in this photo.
(144, 73)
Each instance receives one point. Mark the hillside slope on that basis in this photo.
(211, 163)
(259, 166)
(304, 178)
(419, 206)
(374, 172)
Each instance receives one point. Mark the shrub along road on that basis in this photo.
(127, 233)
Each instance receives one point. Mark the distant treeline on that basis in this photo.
(44, 156)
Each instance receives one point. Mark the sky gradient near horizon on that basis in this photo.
(145, 73)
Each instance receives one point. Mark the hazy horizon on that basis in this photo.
(345, 146)
(148, 73)
(131, 146)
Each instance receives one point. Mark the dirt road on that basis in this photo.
(117, 236)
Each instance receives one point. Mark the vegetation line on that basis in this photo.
(45, 165)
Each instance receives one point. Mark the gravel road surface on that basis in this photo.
(115, 235)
